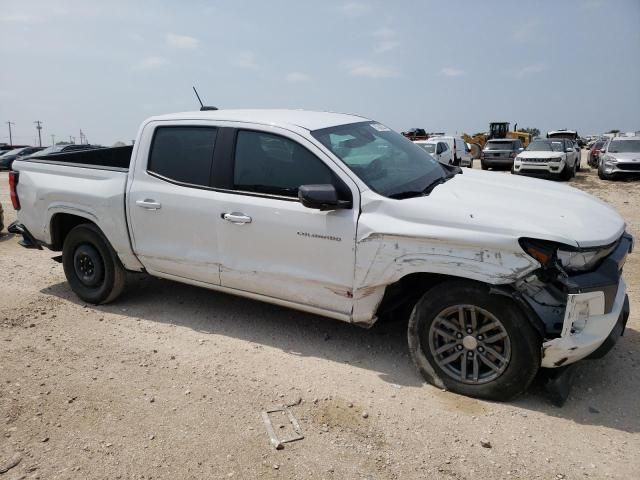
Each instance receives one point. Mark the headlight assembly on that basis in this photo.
(571, 259)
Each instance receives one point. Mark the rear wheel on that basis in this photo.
(91, 266)
(473, 343)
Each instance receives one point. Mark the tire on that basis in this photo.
(91, 266)
(520, 347)
(605, 176)
(566, 173)
(484, 167)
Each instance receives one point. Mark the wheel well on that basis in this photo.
(400, 297)
(61, 225)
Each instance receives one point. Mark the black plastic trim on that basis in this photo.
(28, 240)
(606, 277)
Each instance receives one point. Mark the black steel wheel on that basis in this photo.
(91, 266)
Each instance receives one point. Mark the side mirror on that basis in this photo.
(321, 197)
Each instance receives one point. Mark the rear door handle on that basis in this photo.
(148, 204)
(237, 218)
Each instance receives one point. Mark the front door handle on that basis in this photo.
(148, 204)
(237, 218)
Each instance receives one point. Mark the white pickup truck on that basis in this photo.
(340, 216)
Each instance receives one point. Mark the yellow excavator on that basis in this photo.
(496, 130)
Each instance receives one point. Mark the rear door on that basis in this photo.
(270, 244)
(173, 210)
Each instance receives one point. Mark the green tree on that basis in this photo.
(533, 131)
(614, 131)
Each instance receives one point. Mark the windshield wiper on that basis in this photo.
(427, 190)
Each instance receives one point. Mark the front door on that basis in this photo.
(269, 242)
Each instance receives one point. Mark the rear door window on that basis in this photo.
(183, 154)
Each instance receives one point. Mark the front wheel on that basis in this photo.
(91, 266)
(473, 343)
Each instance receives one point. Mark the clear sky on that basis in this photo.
(453, 66)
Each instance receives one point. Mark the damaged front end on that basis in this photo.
(579, 296)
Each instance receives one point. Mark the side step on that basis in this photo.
(28, 241)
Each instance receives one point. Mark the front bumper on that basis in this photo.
(596, 312)
(523, 166)
(621, 167)
(600, 329)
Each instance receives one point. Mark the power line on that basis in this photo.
(39, 127)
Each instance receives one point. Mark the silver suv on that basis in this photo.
(621, 155)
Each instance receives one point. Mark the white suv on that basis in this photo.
(556, 157)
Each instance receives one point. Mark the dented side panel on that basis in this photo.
(423, 247)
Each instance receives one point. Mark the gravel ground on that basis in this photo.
(169, 382)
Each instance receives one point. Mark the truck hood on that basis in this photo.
(486, 206)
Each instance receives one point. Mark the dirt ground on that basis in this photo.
(170, 381)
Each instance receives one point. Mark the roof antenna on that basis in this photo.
(203, 108)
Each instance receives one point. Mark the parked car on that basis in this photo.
(416, 134)
(5, 147)
(500, 153)
(72, 147)
(556, 157)
(438, 149)
(594, 154)
(620, 156)
(340, 216)
(8, 158)
(460, 152)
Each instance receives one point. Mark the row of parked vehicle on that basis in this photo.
(8, 154)
(557, 156)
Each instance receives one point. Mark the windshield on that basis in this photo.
(499, 146)
(384, 160)
(48, 150)
(15, 151)
(428, 147)
(544, 146)
(624, 146)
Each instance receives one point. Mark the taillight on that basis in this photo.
(13, 189)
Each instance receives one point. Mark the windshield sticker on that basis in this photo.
(379, 127)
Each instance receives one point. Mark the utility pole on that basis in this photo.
(72, 139)
(10, 137)
(53, 139)
(39, 127)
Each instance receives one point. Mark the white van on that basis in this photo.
(459, 150)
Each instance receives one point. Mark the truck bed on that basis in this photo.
(114, 158)
(90, 184)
